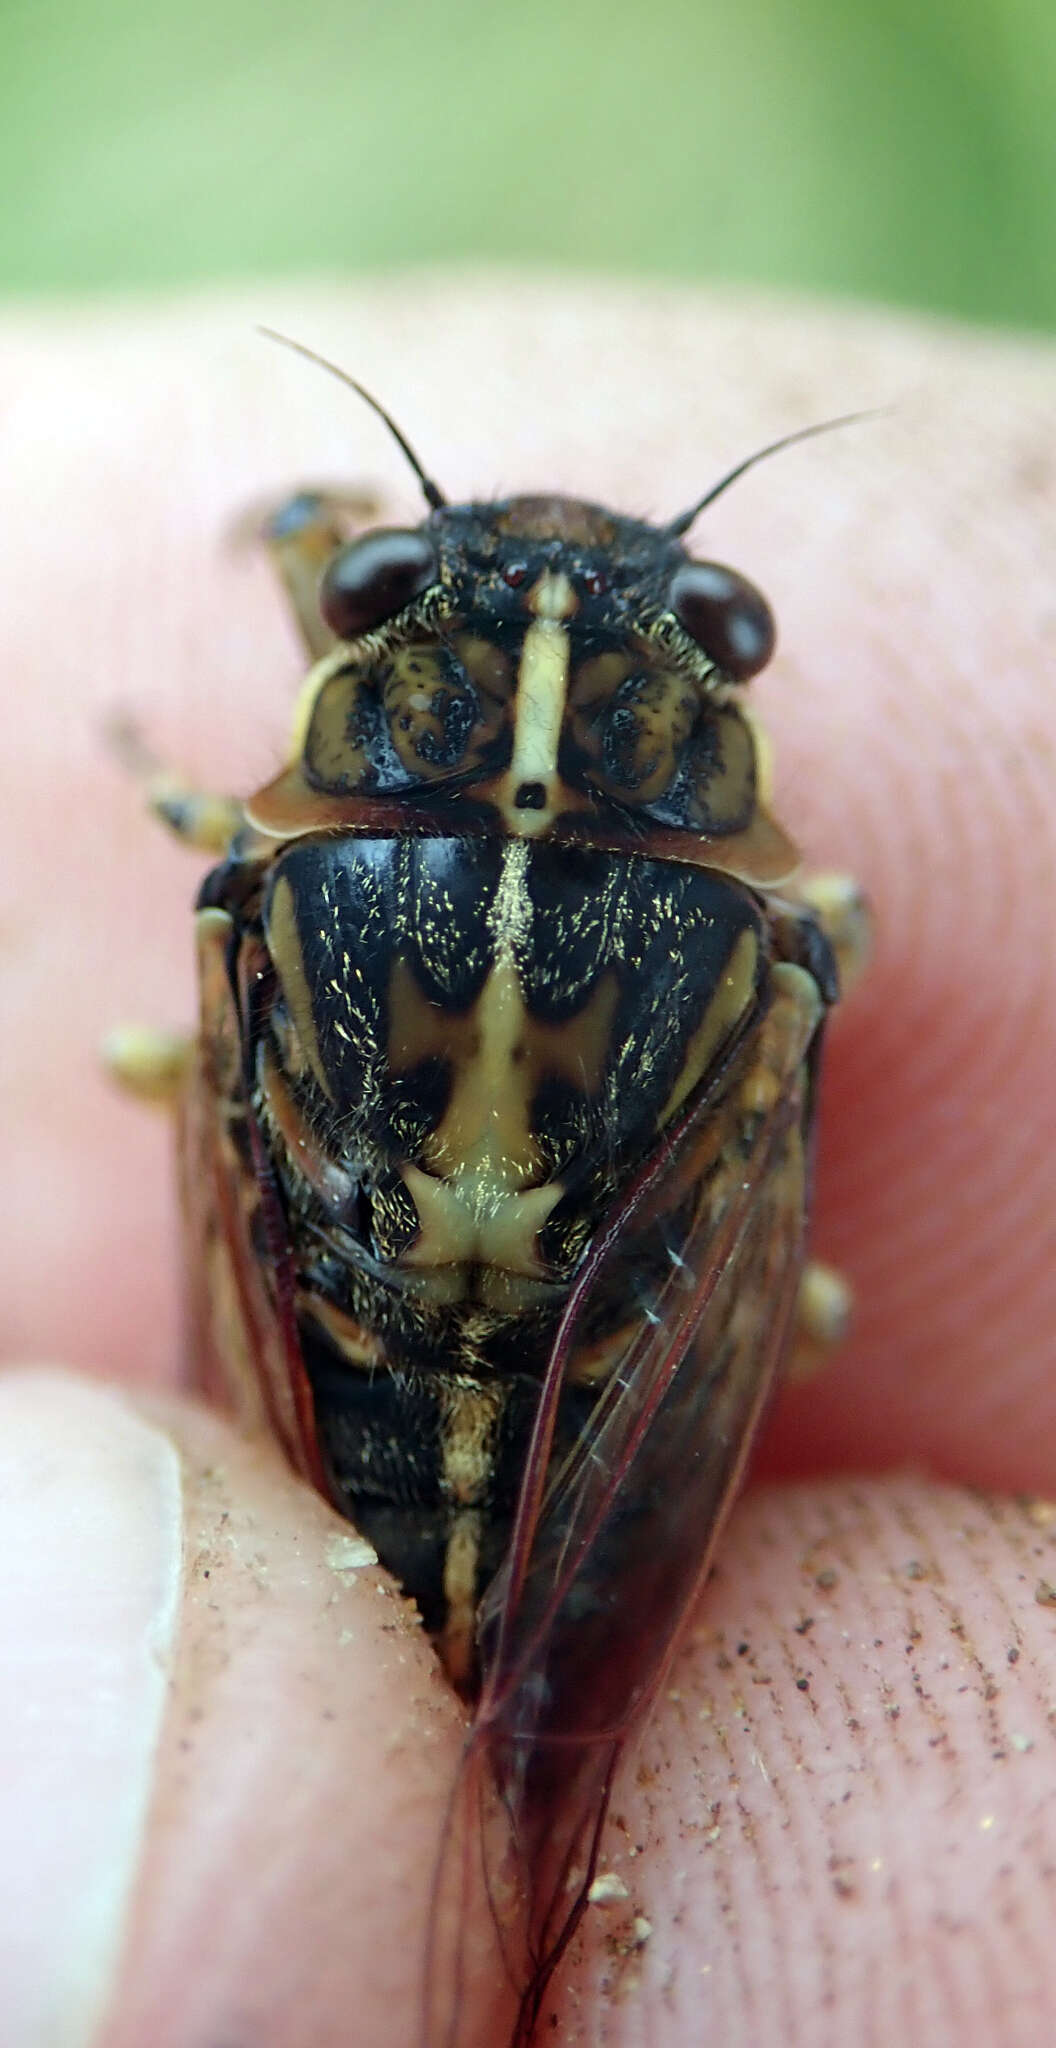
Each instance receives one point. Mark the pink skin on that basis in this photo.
(862, 1857)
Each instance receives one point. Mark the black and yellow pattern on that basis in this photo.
(496, 1130)
(500, 931)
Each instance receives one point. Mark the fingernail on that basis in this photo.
(90, 1565)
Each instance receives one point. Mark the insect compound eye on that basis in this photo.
(726, 616)
(374, 578)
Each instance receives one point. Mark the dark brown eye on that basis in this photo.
(374, 578)
(726, 616)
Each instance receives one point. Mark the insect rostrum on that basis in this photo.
(496, 1135)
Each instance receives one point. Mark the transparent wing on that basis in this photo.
(608, 1555)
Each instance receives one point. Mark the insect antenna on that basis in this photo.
(848, 419)
(431, 491)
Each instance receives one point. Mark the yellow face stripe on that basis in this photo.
(541, 687)
(539, 709)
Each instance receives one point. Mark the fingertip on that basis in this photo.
(838, 1824)
(91, 1537)
(227, 1743)
(307, 1753)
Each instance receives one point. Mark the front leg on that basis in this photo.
(824, 923)
(841, 908)
(302, 533)
(197, 817)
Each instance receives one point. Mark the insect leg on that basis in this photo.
(824, 1307)
(301, 534)
(198, 817)
(148, 1064)
(841, 909)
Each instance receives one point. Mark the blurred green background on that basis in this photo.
(894, 149)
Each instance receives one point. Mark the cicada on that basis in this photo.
(496, 1132)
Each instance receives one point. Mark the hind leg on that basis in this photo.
(826, 1301)
(823, 1318)
(148, 1064)
(838, 907)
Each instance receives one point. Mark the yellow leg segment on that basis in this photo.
(148, 1064)
(197, 817)
(302, 533)
(842, 910)
(823, 1318)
